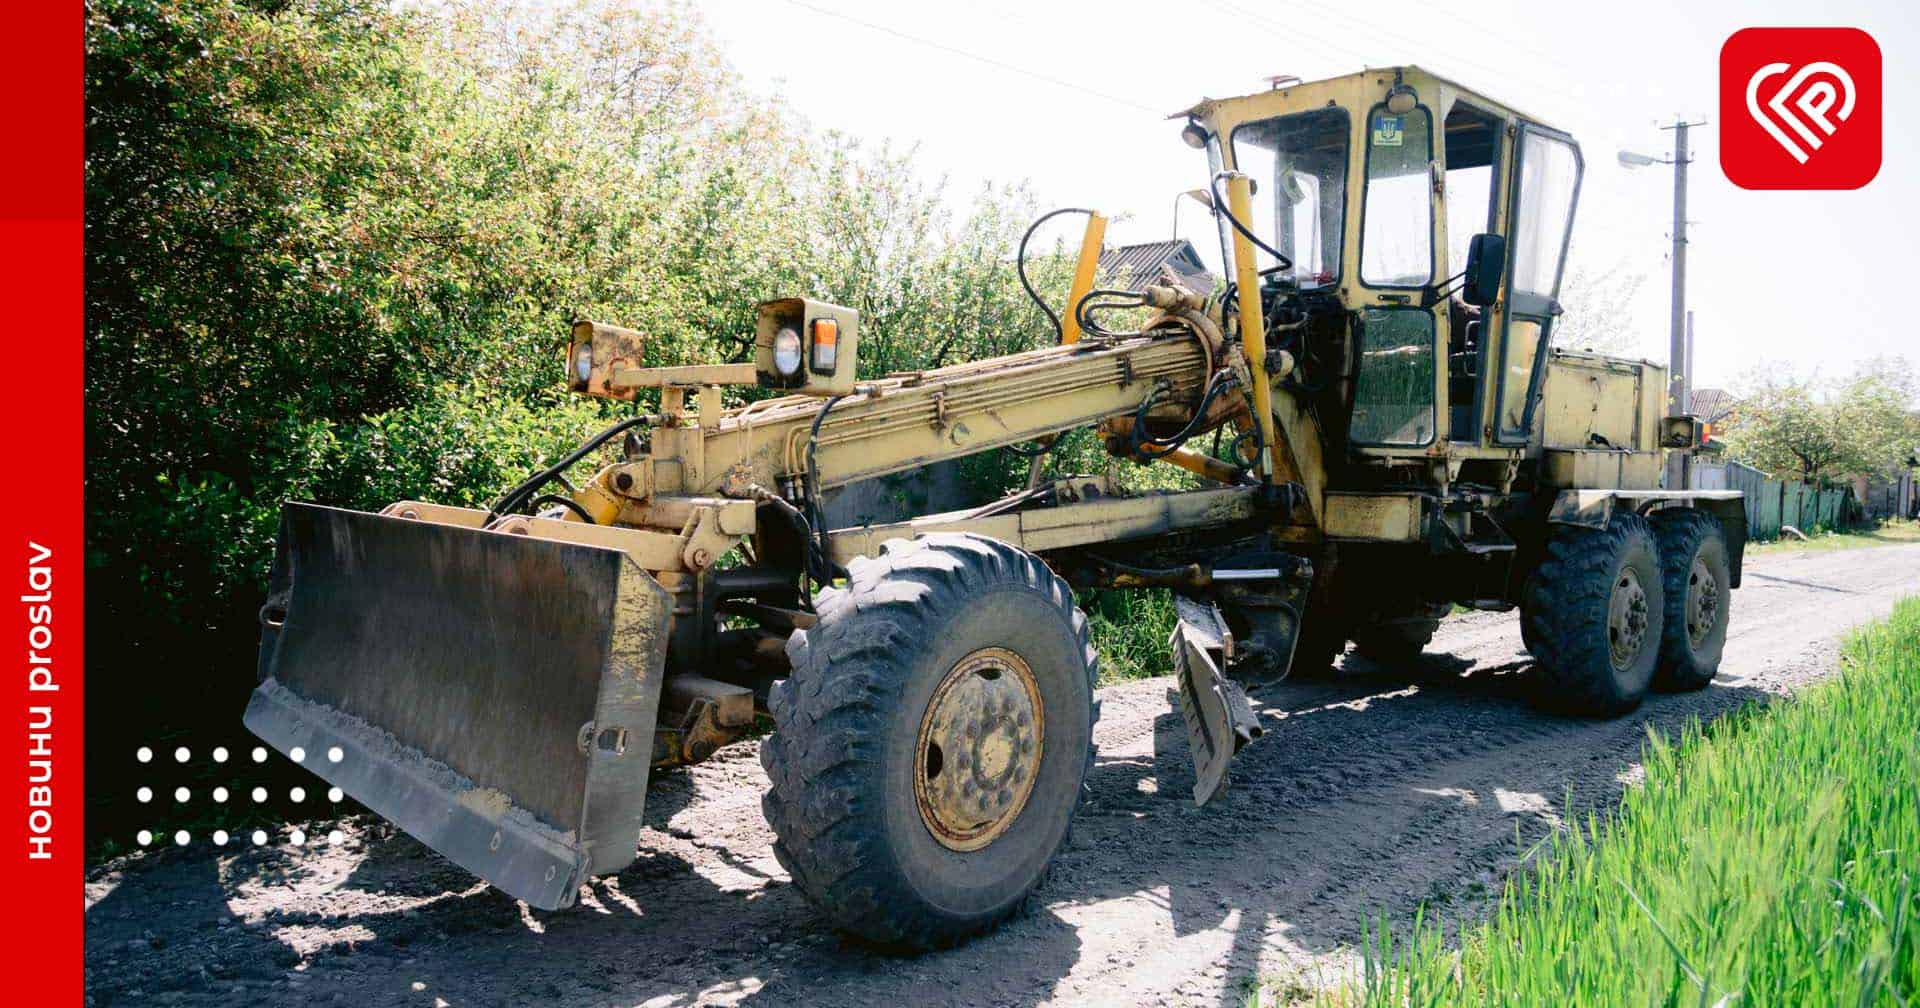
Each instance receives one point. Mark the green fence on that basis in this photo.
(1773, 503)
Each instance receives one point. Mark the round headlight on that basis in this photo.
(583, 361)
(786, 352)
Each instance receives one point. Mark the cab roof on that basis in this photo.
(1411, 72)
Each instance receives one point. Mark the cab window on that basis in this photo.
(1393, 393)
(1299, 166)
(1396, 238)
(1471, 141)
(1546, 185)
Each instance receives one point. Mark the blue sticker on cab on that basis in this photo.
(1388, 131)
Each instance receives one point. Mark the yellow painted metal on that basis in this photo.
(1108, 520)
(1200, 464)
(1596, 469)
(1083, 269)
(1374, 517)
(1294, 451)
(1590, 400)
(1253, 330)
(689, 374)
(800, 315)
(608, 351)
(906, 421)
(651, 549)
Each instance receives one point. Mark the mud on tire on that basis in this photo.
(847, 758)
(1596, 595)
(1693, 557)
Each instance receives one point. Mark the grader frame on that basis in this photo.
(1396, 450)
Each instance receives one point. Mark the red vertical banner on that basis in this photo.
(41, 185)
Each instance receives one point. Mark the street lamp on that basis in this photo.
(1634, 159)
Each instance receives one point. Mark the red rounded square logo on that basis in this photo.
(1800, 108)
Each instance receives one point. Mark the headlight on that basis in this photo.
(786, 352)
(583, 361)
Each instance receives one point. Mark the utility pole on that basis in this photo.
(1686, 389)
(1677, 362)
(1679, 357)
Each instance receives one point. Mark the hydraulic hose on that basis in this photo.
(565, 502)
(1020, 266)
(518, 495)
(1220, 204)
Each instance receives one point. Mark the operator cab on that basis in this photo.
(1424, 228)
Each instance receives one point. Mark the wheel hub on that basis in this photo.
(1703, 603)
(1626, 619)
(979, 749)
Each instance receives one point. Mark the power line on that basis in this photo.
(1427, 44)
(976, 57)
(1280, 29)
(1290, 31)
(1548, 59)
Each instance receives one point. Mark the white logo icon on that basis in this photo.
(1814, 101)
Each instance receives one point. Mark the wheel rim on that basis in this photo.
(1703, 603)
(979, 749)
(1626, 619)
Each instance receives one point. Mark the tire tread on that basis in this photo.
(831, 713)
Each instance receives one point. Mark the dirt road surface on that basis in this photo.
(1371, 794)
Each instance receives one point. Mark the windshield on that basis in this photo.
(1299, 166)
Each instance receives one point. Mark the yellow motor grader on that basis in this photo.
(1403, 438)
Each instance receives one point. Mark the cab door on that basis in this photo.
(1544, 192)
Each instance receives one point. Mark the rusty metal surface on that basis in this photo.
(1219, 718)
(608, 351)
(979, 749)
(1102, 520)
(484, 679)
(698, 715)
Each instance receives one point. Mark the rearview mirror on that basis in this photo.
(1486, 261)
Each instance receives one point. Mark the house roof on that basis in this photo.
(1135, 266)
(1710, 404)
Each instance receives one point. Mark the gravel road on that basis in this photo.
(1369, 794)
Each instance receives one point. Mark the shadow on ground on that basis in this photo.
(1382, 766)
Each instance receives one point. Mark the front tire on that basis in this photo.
(931, 740)
(1594, 611)
(1693, 554)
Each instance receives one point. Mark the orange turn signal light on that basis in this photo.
(826, 339)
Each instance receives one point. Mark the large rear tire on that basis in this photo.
(1693, 554)
(931, 740)
(1594, 612)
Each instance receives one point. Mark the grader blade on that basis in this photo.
(1219, 718)
(492, 694)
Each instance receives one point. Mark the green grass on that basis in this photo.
(1893, 532)
(1770, 858)
(1130, 630)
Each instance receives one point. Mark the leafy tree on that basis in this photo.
(333, 247)
(1599, 310)
(1865, 423)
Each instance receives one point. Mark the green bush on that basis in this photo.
(333, 248)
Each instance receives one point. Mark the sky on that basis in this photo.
(1071, 97)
